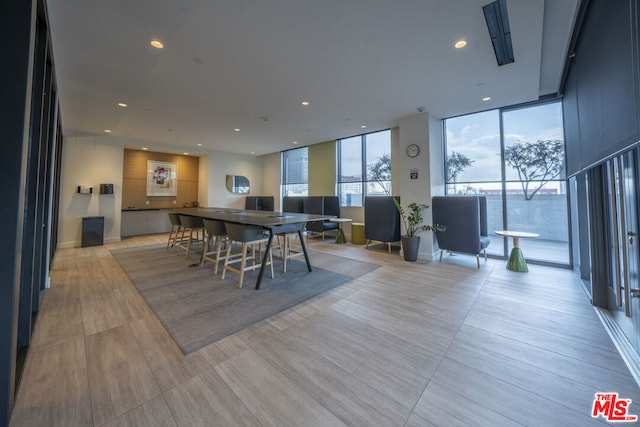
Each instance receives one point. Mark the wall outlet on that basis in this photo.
(147, 203)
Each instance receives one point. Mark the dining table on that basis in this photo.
(273, 222)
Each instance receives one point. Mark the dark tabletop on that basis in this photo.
(249, 217)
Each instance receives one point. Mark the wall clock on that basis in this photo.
(413, 150)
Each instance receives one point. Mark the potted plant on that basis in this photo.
(412, 220)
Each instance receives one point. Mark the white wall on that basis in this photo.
(222, 164)
(95, 160)
(90, 161)
(425, 131)
(271, 177)
(203, 174)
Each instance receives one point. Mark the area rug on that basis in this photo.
(199, 308)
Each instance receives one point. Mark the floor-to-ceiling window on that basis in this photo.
(473, 164)
(364, 167)
(295, 172)
(514, 157)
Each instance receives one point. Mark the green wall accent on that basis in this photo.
(322, 169)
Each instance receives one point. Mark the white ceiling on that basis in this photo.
(249, 64)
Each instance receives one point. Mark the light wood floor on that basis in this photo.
(409, 344)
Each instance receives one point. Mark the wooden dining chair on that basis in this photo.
(249, 236)
(176, 229)
(190, 224)
(216, 233)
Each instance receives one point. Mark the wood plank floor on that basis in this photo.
(409, 344)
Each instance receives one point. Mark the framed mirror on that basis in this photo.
(238, 184)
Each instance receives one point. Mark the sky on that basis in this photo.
(478, 137)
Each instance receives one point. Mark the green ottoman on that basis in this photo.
(357, 233)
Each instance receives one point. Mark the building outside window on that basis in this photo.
(295, 172)
(520, 169)
(364, 167)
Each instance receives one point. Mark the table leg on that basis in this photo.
(304, 250)
(264, 260)
(340, 238)
(517, 262)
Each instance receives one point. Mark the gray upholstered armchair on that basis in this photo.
(466, 220)
(321, 205)
(381, 220)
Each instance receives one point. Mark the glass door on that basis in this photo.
(623, 291)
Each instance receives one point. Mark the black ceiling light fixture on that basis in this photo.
(495, 14)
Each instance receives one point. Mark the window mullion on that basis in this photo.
(363, 160)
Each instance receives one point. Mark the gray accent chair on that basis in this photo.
(259, 203)
(381, 220)
(322, 205)
(466, 220)
(293, 204)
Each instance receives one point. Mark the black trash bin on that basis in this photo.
(92, 231)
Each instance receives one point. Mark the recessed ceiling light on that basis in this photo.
(199, 145)
(144, 148)
(486, 98)
(107, 131)
(122, 104)
(295, 142)
(186, 154)
(237, 129)
(460, 44)
(363, 126)
(253, 152)
(305, 103)
(157, 44)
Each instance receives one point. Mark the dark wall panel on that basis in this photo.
(17, 20)
(571, 116)
(602, 84)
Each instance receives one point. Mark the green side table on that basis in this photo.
(340, 238)
(357, 233)
(516, 259)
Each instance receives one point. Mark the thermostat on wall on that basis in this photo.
(106, 188)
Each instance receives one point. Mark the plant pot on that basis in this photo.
(410, 246)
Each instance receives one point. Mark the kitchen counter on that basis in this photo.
(136, 222)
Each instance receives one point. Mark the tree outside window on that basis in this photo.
(364, 167)
(539, 162)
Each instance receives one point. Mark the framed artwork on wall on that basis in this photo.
(162, 178)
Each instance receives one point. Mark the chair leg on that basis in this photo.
(189, 242)
(441, 252)
(170, 235)
(205, 248)
(226, 260)
(242, 263)
(389, 247)
(270, 262)
(218, 244)
(178, 245)
(287, 249)
(478, 260)
(485, 255)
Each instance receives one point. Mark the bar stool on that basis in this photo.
(176, 228)
(190, 224)
(217, 232)
(245, 234)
